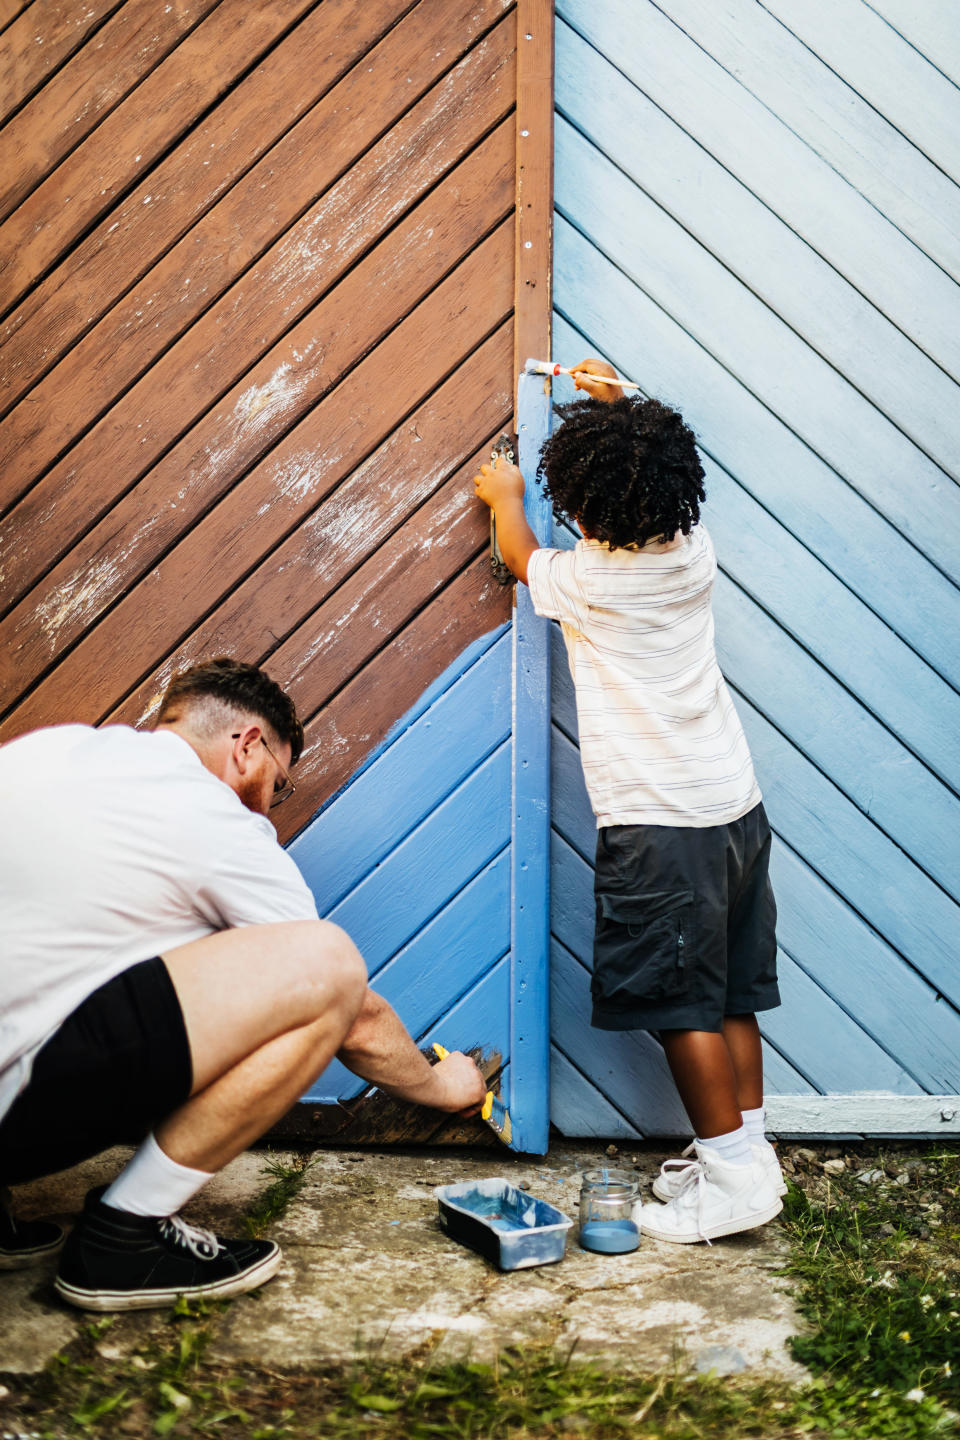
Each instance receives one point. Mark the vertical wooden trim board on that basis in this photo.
(530, 873)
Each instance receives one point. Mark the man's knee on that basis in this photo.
(335, 961)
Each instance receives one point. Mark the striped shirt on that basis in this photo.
(660, 740)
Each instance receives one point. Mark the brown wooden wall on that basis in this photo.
(257, 283)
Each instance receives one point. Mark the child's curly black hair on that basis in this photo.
(627, 470)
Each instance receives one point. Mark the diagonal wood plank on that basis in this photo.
(268, 402)
(257, 310)
(134, 236)
(134, 136)
(311, 599)
(42, 38)
(279, 493)
(84, 91)
(342, 733)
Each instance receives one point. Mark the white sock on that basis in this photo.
(734, 1148)
(153, 1184)
(753, 1123)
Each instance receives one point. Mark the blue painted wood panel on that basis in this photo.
(760, 225)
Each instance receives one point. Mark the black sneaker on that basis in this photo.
(25, 1242)
(117, 1261)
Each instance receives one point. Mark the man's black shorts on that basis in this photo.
(116, 1067)
(686, 925)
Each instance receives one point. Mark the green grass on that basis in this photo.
(286, 1183)
(875, 1280)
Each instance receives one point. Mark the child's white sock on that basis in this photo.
(153, 1184)
(734, 1148)
(753, 1123)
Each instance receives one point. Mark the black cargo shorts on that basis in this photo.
(685, 925)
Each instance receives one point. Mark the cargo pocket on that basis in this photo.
(643, 947)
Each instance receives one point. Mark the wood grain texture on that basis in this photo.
(779, 268)
(304, 606)
(832, 119)
(75, 100)
(783, 171)
(781, 265)
(281, 492)
(929, 28)
(782, 473)
(10, 9)
(894, 77)
(473, 715)
(259, 352)
(155, 116)
(268, 403)
(134, 236)
(342, 733)
(40, 39)
(815, 400)
(258, 310)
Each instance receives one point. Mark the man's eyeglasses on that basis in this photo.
(283, 786)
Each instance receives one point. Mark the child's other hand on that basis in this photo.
(594, 366)
(499, 482)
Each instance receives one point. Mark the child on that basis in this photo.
(684, 942)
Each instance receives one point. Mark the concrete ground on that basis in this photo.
(368, 1270)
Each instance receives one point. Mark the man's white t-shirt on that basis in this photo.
(660, 740)
(115, 846)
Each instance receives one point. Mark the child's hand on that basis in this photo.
(498, 483)
(597, 390)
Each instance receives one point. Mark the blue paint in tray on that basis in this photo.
(506, 1225)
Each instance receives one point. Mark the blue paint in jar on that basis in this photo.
(609, 1237)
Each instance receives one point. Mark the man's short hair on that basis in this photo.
(224, 688)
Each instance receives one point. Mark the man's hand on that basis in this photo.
(461, 1086)
(498, 482)
(597, 390)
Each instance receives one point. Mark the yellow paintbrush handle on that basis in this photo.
(439, 1051)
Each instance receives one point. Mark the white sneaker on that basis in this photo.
(715, 1198)
(673, 1172)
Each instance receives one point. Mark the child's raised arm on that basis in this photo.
(501, 487)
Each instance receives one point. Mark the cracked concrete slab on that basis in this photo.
(369, 1271)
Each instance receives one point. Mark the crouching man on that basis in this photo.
(163, 973)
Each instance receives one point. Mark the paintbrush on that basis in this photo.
(493, 1111)
(548, 367)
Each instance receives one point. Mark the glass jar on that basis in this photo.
(608, 1203)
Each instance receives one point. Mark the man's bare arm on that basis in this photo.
(379, 1049)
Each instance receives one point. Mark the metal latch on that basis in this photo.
(498, 566)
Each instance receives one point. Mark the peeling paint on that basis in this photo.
(80, 597)
(280, 390)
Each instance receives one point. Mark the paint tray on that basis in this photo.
(506, 1225)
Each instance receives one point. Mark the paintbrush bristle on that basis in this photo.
(497, 1116)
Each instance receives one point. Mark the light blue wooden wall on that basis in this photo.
(757, 218)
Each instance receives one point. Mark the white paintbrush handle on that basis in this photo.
(547, 367)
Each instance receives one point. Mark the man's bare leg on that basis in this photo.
(240, 989)
(253, 999)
